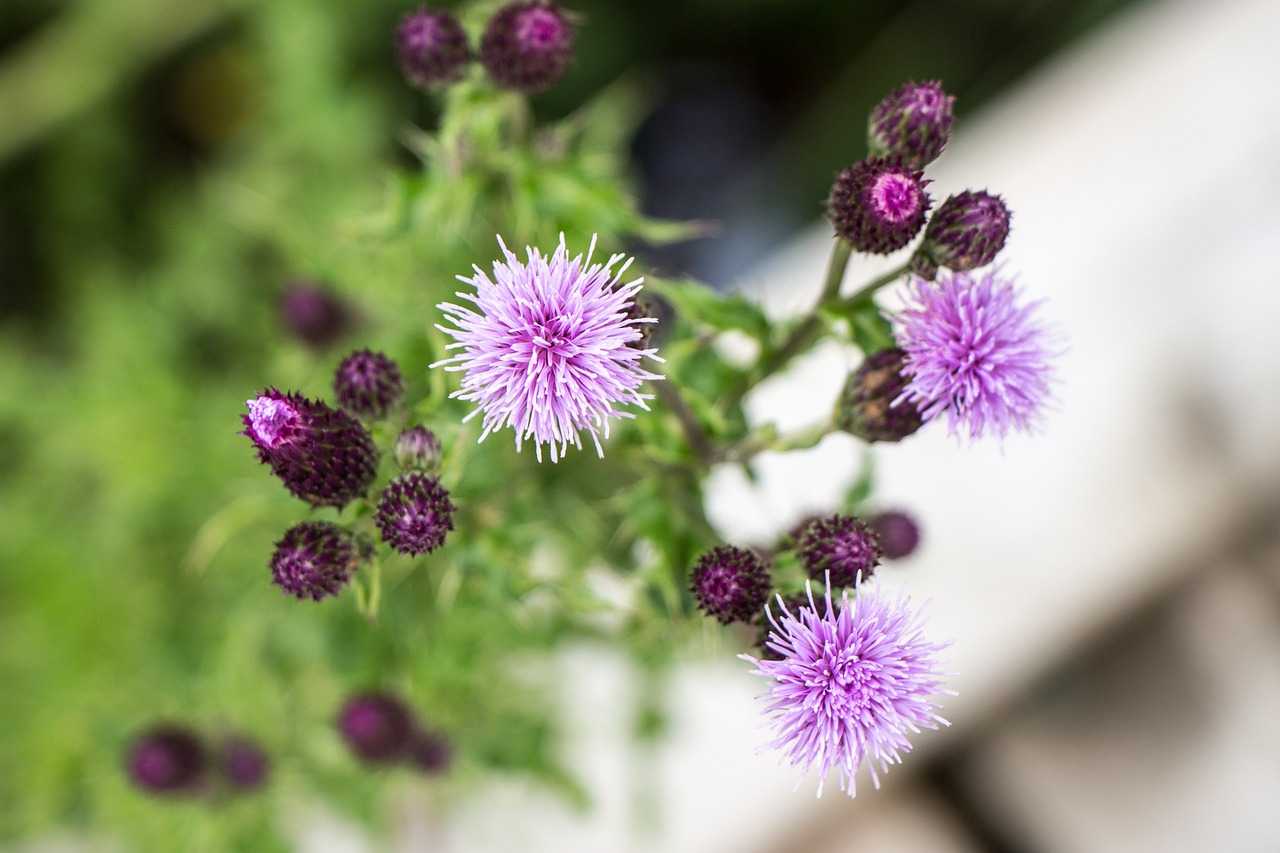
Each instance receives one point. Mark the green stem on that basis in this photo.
(669, 393)
(863, 296)
(767, 438)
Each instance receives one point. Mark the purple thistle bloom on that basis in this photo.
(549, 350)
(843, 548)
(415, 513)
(167, 759)
(367, 384)
(322, 455)
(432, 48)
(878, 205)
(974, 353)
(731, 584)
(912, 124)
(527, 47)
(849, 683)
(314, 559)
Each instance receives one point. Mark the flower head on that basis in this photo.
(912, 124)
(975, 354)
(243, 763)
(378, 727)
(167, 759)
(415, 513)
(731, 584)
(417, 448)
(898, 533)
(967, 231)
(430, 751)
(527, 47)
(851, 680)
(547, 350)
(432, 48)
(314, 315)
(367, 384)
(870, 404)
(843, 548)
(878, 205)
(314, 559)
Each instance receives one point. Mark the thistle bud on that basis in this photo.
(418, 449)
(315, 316)
(367, 384)
(911, 125)
(378, 727)
(967, 231)
(840, 547)
(526, 47)
(898, 533)
(167, 759)
(878, 205)
(730, 584)
(314, 559)
(243, 764)
(870, 406)
(432, 49)
(414, 513)
(430, 752)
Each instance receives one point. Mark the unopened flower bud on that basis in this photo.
(878, 205)
(378, 727)
(731, 584)
(912, 124)
(967, 231)
(870, 406)
(898, 534)
(167, 759)
(315, 316)
(430, 752)
(526, 47)
(432, 48)
(841, 547)
(367, 384)
(243, 764)
(418, 449)
(414, 513)
(314, 559)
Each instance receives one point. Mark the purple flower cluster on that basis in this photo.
(841, 548)
(731, 584)
(547, 350)
(849, 682)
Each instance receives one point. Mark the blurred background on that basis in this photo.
(168, 170)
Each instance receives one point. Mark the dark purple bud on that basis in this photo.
(315, 316)
(526, 47)
(730, 584)
(415, 513)
(878, 205)
(870, 405)
(432, 49)
(967, 231)
(842, 547)
(315, 559)
(911, 125)
(418, 449)
(898, 534)
(367, 384)
(322, 455)
(167, 759)
(378, 727)
(430, 752)
(243, 763)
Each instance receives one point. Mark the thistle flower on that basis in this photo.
(974, 354)
(367, 384)
(378, 727)
(898, 533)
(851, 681)
(731, 584)
(432, 48)
(548, 350)
(843, 548)
(315, 316)
(243, 763)
(870, 405)
(322, 455)
(314, 559)
(967, 231)
(414, 513)
(527, 47)
(167, 759)
(878, 205)
(417, 448)
(912, 124)
(430, 752)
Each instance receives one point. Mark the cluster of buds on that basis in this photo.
(526, 47)
(327, 457)
(173, 759)
(381, 730)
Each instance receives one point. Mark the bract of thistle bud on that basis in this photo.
(414, 513)
(842, 548)
(527, 47)
(378, 727)
(878, 205)
(418, 449)
(314, 559)
(432, 48)
(912, 124)
(167, 759)
(367, 384)
(730, 583)
(870, 406)
(322, 455)
(967, 231)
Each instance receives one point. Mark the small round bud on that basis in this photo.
(870, 406)
(418, 449)
(526, 47)
(167, 759)
(378, 727)
(367, 384)
(432, 49)
(243, 764)
(430, 752)
(878, 205)
(841, 547)
(315, 316)
(898, 534)
(912, 124)
(315, 559)
(730, 584)
(322, 455)
(414, 513)
(967, 231)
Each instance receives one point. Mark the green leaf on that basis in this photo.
(870, 330)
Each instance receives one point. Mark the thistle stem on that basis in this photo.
(694, 434)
